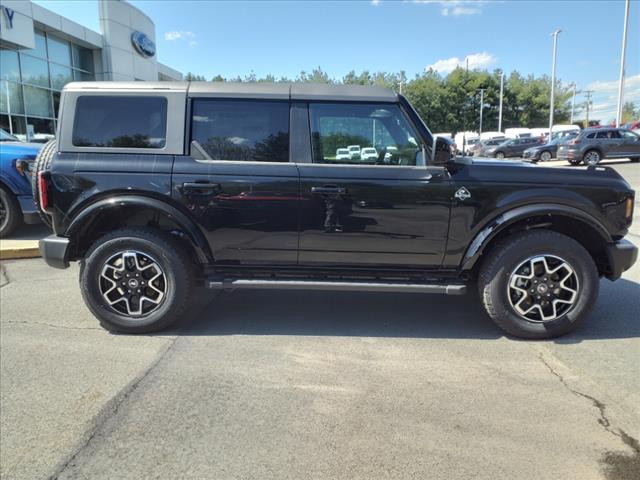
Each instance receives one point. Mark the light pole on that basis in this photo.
(481, 105)
(501, 92)
(573, 102)
(553, 80)
(622, 62)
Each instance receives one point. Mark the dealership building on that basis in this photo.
(41, 51)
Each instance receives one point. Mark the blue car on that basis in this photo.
(16, 200)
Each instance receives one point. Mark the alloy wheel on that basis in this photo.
(545, 156)
(543, 288)
(592, 158)
(132, 283)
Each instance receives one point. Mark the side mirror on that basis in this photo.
(442, 151)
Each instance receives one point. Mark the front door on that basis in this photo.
(238, 183)
(383, 207)
(630, 146)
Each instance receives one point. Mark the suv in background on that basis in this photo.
(480, 149)
(157, 188)
(342, 154)
(354, 152)
(514, 147)
(369, 155)
(547, 151)
(594, 144)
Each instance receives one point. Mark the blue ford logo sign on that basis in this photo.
(143, 44)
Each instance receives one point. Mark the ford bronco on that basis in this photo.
(156, 188)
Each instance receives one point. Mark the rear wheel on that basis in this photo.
(592, 157)
(545, 156)
(137, 280)
(10, 213)
(538, 284)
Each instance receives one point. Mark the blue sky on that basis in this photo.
(285, 37)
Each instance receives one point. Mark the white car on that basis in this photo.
(368, 153)
(354, 151)
(343, 154)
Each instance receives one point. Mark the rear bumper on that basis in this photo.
(622, 255)
(55, 251)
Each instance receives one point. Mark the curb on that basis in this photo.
(17, 253)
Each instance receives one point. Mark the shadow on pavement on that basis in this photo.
(262, 312)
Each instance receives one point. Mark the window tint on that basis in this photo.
(120, 121)
(608, 134)
(241, 130)
(591, 135)
(374, 134)
(628, 135)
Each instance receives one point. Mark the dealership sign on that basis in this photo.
(8, 14)
(143, 44)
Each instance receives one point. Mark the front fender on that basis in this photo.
(510, 217)
(119, 201)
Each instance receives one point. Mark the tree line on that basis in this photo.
(451, 102)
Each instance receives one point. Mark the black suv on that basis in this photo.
(514, 147)
(594, 144)
(158, 187)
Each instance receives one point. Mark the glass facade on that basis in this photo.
(31, 80)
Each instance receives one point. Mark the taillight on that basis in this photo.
(43, 191)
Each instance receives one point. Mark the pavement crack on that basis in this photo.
(110, 410)
(51, 325)
(604, 420)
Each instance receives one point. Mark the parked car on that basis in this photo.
(547, 151)
(237, 191)
(354, 152)
(343, 154)
(368, 155)
(480, 149)
(514, 147)
(16, 201)
(592, 145)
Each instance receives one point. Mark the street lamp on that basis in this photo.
(622, 62)
(553, 80)
(501, 92)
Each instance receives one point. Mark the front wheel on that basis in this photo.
(500, 156)
(136, 280)
(545, 156)
(538, 284)
(10, 213)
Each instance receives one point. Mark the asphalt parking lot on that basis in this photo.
(266, 384)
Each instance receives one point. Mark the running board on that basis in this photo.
(233, 284)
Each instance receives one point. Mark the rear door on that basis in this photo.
(388, 211)
(630, 146)
(237, 181)
(609, 142)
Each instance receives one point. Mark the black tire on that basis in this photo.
(500, 155)
(591, 157)
(634, 160)
(546, 156)
(155, 245)
(42, 163)
(503, 260)
(10, 213)
(574, 162)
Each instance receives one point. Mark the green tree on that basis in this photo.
(630, 112)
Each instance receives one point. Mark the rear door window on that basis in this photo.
(241, 130)
(120, 121)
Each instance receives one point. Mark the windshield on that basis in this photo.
(7, 137)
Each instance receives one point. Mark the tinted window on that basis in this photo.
(608, 134)
(242, 130)
(122, 122)
(591, 135)
(381, 129)
(629, 135)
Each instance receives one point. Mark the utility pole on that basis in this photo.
(466, 101)
(501, 93)
(481, 107)
(553, 80)
(622, 62)
(588, 94)
(573, 102)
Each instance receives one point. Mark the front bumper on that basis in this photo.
(55, 251)
(535, 155)
(566, 154)
(622, 255)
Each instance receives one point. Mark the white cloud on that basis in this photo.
(476, 60)
(375, 3)
(457, 8)
(193, 43)
(178, 35)
(632, 83)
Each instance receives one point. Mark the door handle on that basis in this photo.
(329, 190)
(201, 186)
